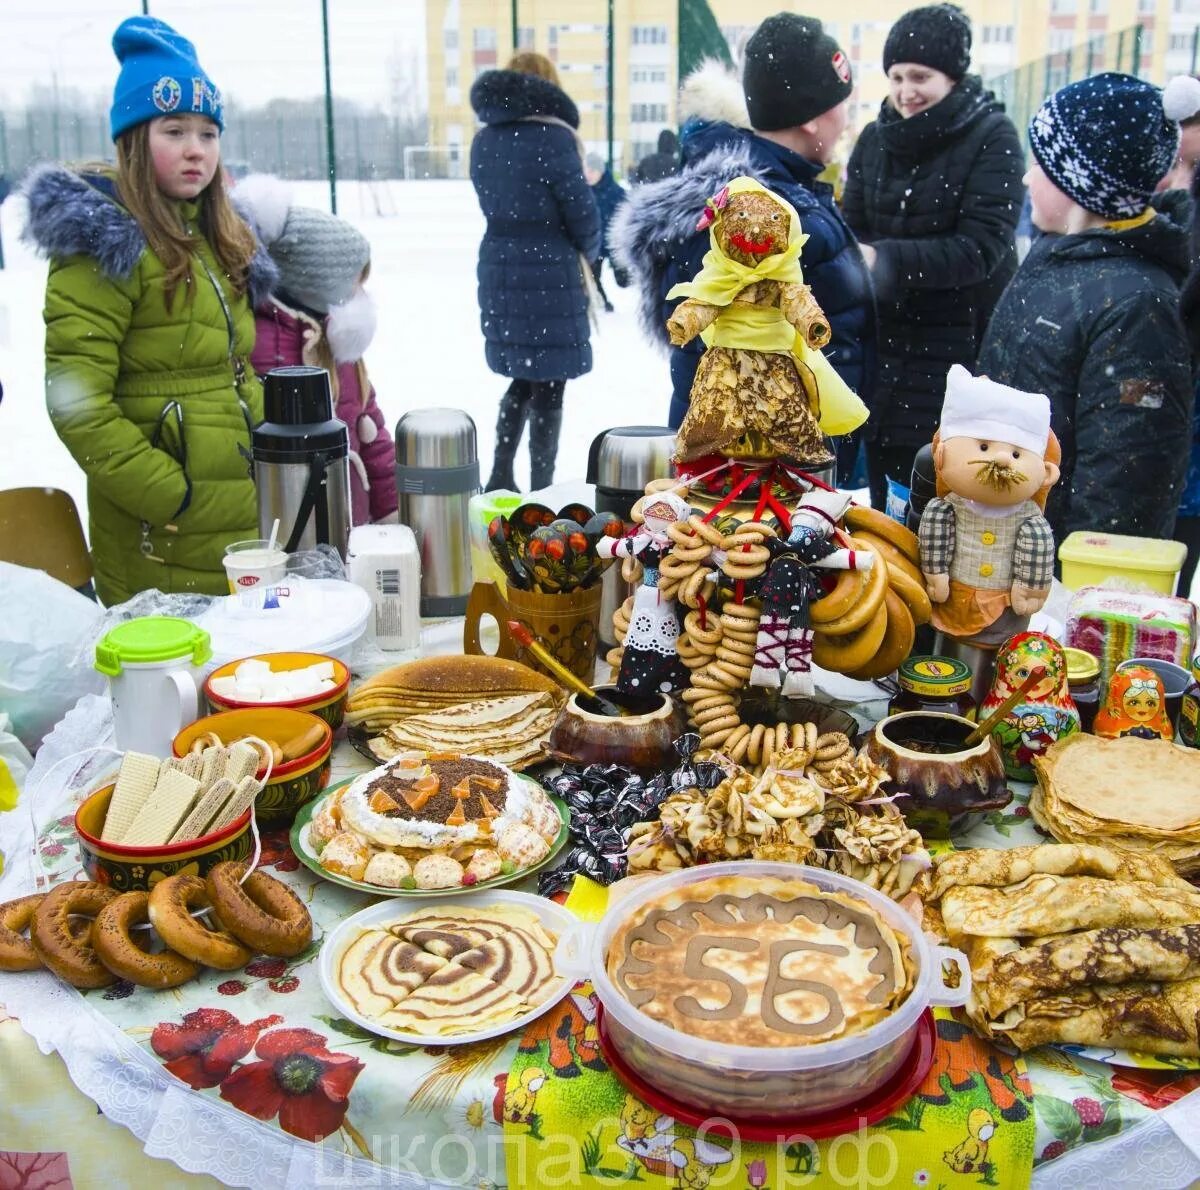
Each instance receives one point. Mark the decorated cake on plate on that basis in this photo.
(429, 820)
(760, 962)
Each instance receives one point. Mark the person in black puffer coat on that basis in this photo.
(662, 164)
(543, 229)
(1091, 319)
(793, 92)
(933, 192)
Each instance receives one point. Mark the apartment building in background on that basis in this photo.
(466, 37)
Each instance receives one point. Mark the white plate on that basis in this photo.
(553, 916)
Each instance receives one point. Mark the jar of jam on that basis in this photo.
(934, 684)
(1083, 678)
(1188, 728)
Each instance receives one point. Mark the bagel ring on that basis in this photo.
(871, 520)
(895, 559)
(67, 953)
(837, 602)
(613, 657)
(714, 700)
(16, 952)
(681, 533)
(865, 609)
(118, 951)
(705, 531)
(842, 654)
(171, 903)
(695, 587)
(263, 912)
(897, 640)
(914, 596)
(740, 611)
(692, 553)
(740, 745)
(667, 483)
(710, 636)
(631, 570)
(206, 739)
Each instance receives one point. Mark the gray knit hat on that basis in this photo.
(319, 256)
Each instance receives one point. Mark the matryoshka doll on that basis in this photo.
(1045, 715)
(1134, 704)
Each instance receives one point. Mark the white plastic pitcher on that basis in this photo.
(154, 667)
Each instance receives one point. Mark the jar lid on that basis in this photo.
(149, 639)
(1081, 667)
(939, 677)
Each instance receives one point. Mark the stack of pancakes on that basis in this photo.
(1076, 944)
(441, 973)
(477, 706)
(1139, 795)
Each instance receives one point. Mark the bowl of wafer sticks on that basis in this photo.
(164, 817)
(299, 742)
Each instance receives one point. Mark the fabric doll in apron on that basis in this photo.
(650, 663)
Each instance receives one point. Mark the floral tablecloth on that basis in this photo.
(252, 1078)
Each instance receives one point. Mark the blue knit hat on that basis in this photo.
(1107, 141)
(160, 76)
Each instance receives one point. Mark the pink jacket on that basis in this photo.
(279, 343)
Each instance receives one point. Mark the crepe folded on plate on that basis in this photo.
(436, 683)
(1083, 945)
(1149, 1018)
(512, 731)
(1140, 795)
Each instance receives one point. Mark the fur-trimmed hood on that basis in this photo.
(74, 214)
(660, 215)
(502, 96)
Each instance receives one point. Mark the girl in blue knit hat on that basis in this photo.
(1091, 317)
(149, 326)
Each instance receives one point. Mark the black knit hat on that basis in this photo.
(794, 72)
(937, 36)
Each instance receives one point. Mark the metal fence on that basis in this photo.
(370, 145)
(1022, 90)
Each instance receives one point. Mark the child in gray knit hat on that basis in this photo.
(321, 315)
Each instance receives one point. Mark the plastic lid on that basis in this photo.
(941, 677)
(1127, 553)
(1081, 667)
(150, 639)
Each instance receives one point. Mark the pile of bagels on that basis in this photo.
(866, 625)
(90, 935)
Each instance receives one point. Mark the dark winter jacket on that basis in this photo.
(541, 216)
(654, 236)
(939, 196)
(609, 195)
(1092, 321)
(663, 164)
(1189, 309)
(154, 403)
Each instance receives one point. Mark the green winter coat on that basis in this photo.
(155, 405)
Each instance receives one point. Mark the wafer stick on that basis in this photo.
(207, 809)
(164, 810)
(135, 783)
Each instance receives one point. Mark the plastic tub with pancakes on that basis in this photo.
(768, 1080)
(553, 917)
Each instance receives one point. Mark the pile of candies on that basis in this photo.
(606, 800)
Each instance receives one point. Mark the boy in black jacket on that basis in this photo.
(1091, 317)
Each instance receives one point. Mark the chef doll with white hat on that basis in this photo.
(987, 552)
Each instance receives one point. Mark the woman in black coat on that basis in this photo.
(933, 192)
(543, 230)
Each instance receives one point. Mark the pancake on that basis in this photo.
(378, 970)
(760, 962)
(454, 1000)
(518, 961)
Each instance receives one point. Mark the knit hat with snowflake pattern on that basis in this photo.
(1107, 141)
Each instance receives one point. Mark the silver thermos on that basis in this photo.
(437, 473)
(301, 459)
(621, 462)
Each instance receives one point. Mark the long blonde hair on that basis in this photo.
(529, 62)
(230, 238)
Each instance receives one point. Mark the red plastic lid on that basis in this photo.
(872, 1108)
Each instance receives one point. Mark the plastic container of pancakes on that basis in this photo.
(801, 954)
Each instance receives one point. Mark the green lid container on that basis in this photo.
(937, 677)
(151, 639)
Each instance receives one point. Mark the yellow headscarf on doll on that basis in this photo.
(764, 328)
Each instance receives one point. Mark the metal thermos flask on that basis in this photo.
(621, 462)
(301, 459)
(437, 473)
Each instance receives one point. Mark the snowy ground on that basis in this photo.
(428, 350)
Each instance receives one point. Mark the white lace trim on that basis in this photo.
(653, 627)
(1162, 1151)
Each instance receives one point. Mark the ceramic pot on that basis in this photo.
(936, 789)
(640, 741)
